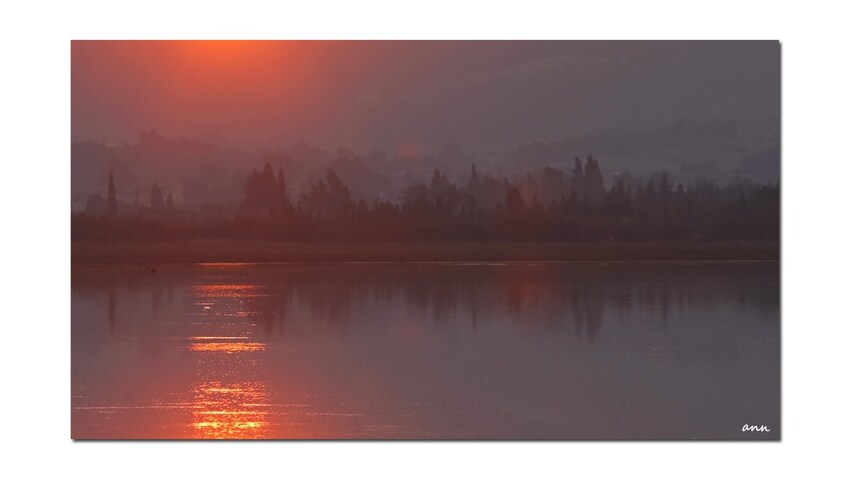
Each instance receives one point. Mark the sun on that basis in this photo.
(233, 68)
(228, 52)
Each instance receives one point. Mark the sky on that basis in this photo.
(411, 94)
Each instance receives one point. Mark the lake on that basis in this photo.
(426, 351)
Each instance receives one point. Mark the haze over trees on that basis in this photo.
(209, 176)
(547, 204)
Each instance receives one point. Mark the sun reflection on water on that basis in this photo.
(229, 401)
(230, 410)
(227, 347)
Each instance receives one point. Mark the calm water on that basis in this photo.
(584, 351)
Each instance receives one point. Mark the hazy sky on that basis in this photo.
(412, 94)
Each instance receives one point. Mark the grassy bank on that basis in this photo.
(258, 251)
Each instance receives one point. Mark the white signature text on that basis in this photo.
(748, 428)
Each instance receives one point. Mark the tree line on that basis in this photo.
(549, 205)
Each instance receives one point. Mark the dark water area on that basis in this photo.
(426, 351)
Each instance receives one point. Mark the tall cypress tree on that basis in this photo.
(578, 179)
(111, 201)
(593, 182)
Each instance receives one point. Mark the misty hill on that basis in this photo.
(203, 175)
(686, 149)
(192, 171)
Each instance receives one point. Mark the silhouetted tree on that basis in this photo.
(327, 197)
(578, 179)
(514, 201)
(262, 191)
(536, 206)
(339, 194)
(593, 183)
(665, 193)
(111, 200)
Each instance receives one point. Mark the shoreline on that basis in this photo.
(246, 251)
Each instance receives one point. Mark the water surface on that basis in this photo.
(426, 351)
